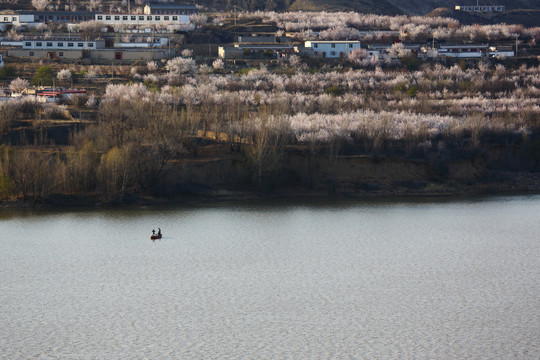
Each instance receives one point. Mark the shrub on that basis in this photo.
(44, 76)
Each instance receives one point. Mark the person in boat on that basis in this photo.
(159, 231)
(153, 232)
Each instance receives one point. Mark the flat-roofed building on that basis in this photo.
(141, 20)
(63, 44)
(463, 51)
(481, 8)
(59, 16)
(332, 49)
(177, 9)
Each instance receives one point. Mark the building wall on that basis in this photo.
(46, 54)
(62, 17)
(9, 19)
(96, 56)
(141, 20)
(156, 9)
(64, 44)
(333, 49)
(484, 8)
(127, 55)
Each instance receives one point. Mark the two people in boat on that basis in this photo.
(154, 232)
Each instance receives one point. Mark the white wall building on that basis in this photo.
(141, 20)
(178, 9)
(16, 19)
(484, 8)
(463, 51)
(332, 49)
(63, 44)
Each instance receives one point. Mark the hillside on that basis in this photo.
(387, 7)
(383, 7)
(527, 18)
(421, 7)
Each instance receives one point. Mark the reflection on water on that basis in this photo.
(319, 279)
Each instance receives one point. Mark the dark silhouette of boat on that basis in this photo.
(155, 236)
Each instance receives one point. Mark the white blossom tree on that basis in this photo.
(40, 5)
(218, 64)
(64, 75)
(17, 85)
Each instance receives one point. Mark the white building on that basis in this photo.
(141, 20)
(332, 49)
(170, 9)
(463, 51)
(158, 42)
(63, 44)
(17, 19)
(484, 8)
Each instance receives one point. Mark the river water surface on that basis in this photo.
(285, 280)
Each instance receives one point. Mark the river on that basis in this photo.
(386, 279)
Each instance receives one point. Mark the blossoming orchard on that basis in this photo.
(139, 123)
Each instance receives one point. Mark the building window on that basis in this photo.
(107, 17)
(332, 53)
(118, 56)
(166, 18)
(133, 18)
(175, 18)
(60, 53)
(148, 18)
(6, 19)
(91, 45)
(80, 44)
(38, 44)
(315, 45)
(27, 44)
(100, 17)
(333, 46)
(60, 44)
(350, 45)
(70, 44)
(117, 18)
(141, 17)
(157, 18)
(124, 17)
(49, 44)
(31, 53)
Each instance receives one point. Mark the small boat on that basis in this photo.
(155, 236)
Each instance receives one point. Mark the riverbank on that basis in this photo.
(496, 183)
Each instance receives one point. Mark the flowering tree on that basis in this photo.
(64, 75)
(151, 66)
(17, 85)
(93, 5)
(218, 64)
(180, 65)
(187, 53)
(40, 4)
(198, 19)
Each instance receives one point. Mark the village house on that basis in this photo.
(141, 20)
(483, 8)
(332, 49)
(170, 9)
